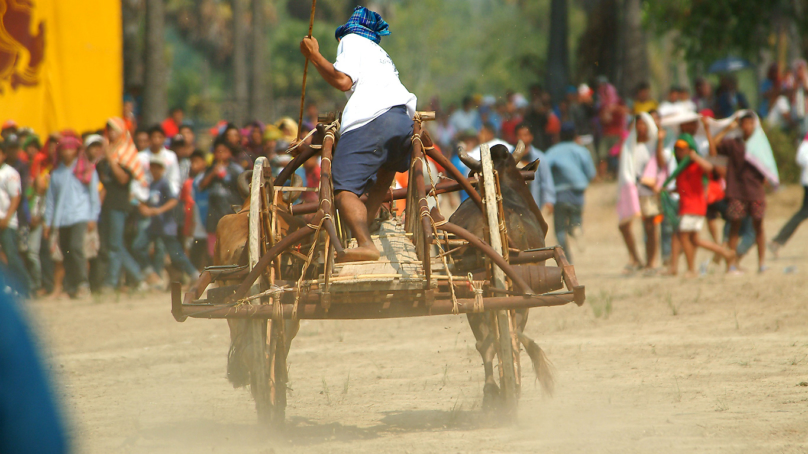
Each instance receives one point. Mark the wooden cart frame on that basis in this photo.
(424, 241)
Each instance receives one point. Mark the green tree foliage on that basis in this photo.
(445, 48)
(710, 29)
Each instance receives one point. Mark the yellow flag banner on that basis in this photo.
(60, 63)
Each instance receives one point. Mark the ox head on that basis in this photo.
(499, 155)
(517, 198)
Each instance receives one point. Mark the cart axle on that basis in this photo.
(310, 308)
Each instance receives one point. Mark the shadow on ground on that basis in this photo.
(303, 431)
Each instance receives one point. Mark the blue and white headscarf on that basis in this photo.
(365, 23)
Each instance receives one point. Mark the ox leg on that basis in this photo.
(541, 364)
(481, 327)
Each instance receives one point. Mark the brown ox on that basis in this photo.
(231, 249)
(526, 230)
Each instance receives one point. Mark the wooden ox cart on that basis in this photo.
(295, 276)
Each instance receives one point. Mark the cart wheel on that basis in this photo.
(263, 335)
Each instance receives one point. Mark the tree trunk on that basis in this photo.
(155, 104)
(597, 48)
(258, 99)
(558, 50)
(240, 74)
(634, 67)
(132, 63)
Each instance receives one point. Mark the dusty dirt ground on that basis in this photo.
(646, 365)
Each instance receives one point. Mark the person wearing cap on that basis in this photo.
(93, 147)
(9, 127)
(376, 128)
(572, 169)
(72, 206)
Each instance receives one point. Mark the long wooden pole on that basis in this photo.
(305, 73)
(506, 356)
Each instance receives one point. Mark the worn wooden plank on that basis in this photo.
(398, 268)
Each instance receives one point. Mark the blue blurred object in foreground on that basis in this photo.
(29, 419)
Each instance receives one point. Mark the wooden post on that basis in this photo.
(504, 342)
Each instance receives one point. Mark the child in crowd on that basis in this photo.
(692, 189)
(219, 180)
(160, 209)
(196, 212)
(72, 207)
(10, 196)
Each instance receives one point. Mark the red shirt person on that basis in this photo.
(171, 125)
(692, 187)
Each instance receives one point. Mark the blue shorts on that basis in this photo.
(384, 143)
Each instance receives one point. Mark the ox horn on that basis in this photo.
(297, 182)
(519, 152)
(243, 183)
(470, 162)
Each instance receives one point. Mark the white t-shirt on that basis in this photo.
(172, 172)
(10, 187)
(376, 87)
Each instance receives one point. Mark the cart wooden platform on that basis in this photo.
(295, 276)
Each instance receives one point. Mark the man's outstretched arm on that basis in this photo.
(310, 49)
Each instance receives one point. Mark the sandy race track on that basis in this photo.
(647, 365)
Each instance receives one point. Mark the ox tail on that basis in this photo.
(238, 358)
(541, 364)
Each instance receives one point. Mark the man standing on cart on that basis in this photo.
(376, 129)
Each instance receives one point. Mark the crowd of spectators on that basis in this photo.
(106, 210)
(652, 148)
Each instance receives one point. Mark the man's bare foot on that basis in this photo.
(360, 254)
(691, 275)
